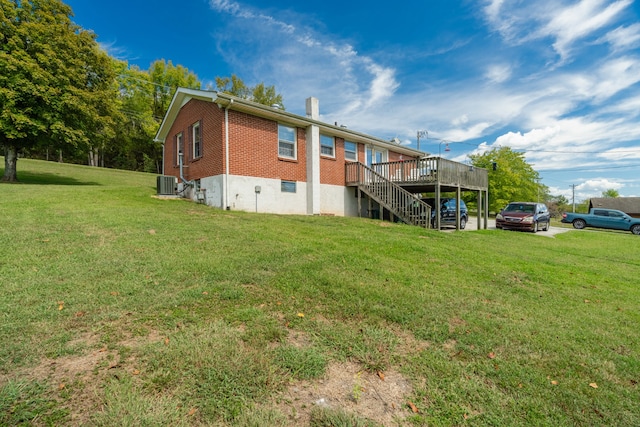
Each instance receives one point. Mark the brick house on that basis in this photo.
(241, 155)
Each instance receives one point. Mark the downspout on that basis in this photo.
(226, 155)
(184, 180)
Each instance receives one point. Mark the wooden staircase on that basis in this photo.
(401, 203)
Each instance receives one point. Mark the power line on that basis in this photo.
(587, 169)
(527, 150)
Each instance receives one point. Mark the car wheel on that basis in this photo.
(636, 229)
(579, 224)
(546, 226)
(463, 223)
(535, 227)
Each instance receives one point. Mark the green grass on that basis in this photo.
(188, 313)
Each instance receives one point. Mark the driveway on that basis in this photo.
(491, 225)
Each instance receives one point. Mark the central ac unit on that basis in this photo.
(166, 185)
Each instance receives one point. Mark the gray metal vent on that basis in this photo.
(166, 185)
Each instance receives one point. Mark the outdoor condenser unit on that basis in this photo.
(166, 185)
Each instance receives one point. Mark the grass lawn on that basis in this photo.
(119, 308)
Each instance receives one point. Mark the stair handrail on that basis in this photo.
(396, 199)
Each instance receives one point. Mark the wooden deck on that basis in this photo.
(423, 175)
(427, 175)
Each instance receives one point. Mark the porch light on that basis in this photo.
(446, 147)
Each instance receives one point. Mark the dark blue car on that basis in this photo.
(448, 212)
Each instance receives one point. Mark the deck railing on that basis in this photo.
(431, 170)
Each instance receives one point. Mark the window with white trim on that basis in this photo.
(196, 138)
(179, 147)
(286, 141)
(350, 151)
(327, 146)
(288, 186)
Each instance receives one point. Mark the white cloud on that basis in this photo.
(383, 84)
(598, 185)
(623, 38)
(521, 22)
(498, 73)
(307, 62)
(580, 20)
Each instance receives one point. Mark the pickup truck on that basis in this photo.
(603, 218)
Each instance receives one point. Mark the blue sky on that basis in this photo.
(558, 80)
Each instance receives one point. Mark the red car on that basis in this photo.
(529, 216)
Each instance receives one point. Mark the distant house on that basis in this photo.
(236, 154)
(628, 205)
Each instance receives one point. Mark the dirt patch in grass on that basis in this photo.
(76, 381)
(380, 397)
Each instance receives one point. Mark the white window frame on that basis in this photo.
(348, 152)
(327, 146)
(285, 145)
(196, 131)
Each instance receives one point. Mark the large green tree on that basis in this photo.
(511, 178)
(56, 85)
(166, 78)
(260, 93)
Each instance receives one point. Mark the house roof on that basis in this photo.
(624, 204)
(224, 100)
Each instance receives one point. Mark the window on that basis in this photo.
(196, 138)
(350, 151)
(288, 186)
(327, 146)
(286, 141)
(179, 147)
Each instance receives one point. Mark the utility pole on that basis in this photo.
(573, 197)
(422, 134)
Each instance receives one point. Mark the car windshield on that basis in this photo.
(520, 207)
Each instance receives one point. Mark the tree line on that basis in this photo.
(63, 97)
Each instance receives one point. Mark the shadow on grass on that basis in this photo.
(46, 179)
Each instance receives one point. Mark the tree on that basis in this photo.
(136, 122)
(557, 205)
(266, 95)
(260, 93)
(166, 79)
(512, 178)
(56, 84)
(611, 193)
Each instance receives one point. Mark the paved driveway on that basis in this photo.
(473, 221)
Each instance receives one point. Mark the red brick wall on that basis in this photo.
(253, 149)
(253, 145)
(332, 170)
(212, 131)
